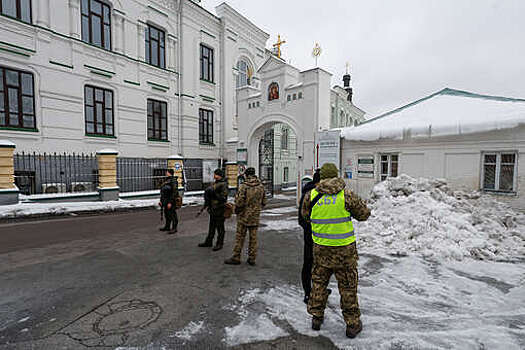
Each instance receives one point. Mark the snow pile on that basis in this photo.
(189, 331)
(421, 216)
(24, 209)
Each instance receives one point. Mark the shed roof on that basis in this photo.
(446, 112)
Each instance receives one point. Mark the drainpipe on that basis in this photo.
(221, 92)
(179, 79)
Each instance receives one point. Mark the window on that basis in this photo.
(157, 120)
(244, 78)
(389, 166)
(284, 139)
(19, 9)
(273, 91)
(96, 23)
(205, 126)
(207, 70)
(289, 98)
(17, 99)
(300, 95)
(155, 47)
(249, 105)
(294, 97)
(258, 104)
(98, 109)
(499, 171)
(286, 175)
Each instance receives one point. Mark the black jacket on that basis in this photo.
(169, 190)
(217, 197)
(306, 189)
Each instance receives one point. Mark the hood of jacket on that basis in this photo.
(331, 186)
(252, 181)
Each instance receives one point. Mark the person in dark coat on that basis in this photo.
(216, 199)
(308, 254)
(169, 191)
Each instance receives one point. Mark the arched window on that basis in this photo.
(273, 91)
(244, 78)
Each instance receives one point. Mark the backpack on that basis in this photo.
(229, 208)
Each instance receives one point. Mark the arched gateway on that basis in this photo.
(298, 100)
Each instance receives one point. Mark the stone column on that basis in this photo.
(141, 43)
(107, 175)
(232, 171)
(43, 13)
(172, 52)
(74, 18)
(118, 19)
(176, 163)
(8, 189)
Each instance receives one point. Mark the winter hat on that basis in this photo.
(328, 171)
(219, 172)
(250, 171)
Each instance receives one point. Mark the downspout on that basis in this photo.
(179, 80)
(221, 92)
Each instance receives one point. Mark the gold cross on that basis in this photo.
(278, 45)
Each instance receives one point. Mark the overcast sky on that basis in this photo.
(401, 50)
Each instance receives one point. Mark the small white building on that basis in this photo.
(474, 141)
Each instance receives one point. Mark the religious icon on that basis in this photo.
(273, 92)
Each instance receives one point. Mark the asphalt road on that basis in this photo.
(114, 280)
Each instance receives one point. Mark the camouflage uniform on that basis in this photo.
(341, 261)
(249, 201)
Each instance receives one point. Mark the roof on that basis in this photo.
(446, 112)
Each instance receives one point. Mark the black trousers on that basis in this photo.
(216, 224)
(308, 260)
(171, 218)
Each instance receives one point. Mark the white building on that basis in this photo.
(153, 79)
(474, 141)
(301, 100)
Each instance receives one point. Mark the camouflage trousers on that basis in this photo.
(341, 261)
(239, 241)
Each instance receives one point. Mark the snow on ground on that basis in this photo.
(31, 209)
(406, 303)
(424, 217)
(189, 331)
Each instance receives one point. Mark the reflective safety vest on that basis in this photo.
(331, 222)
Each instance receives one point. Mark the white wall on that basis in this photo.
(455, 158)
(59, 88)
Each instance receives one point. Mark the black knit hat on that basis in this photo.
(250, 171)
(219, 172)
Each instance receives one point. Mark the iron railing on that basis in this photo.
(47, 173)
(140, 174)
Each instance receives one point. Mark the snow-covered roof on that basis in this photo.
(447, 112)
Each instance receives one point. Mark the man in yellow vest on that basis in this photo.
(330, 209)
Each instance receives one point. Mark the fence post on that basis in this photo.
(107, 175)
(232, 171)
(8, 190)
(176, 163)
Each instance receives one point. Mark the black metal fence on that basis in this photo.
(140, 174)
(48, 173)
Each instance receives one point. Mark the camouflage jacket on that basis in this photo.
(249, 200)
(353, 203)
(219, 197)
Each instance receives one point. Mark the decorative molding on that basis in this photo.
(61, 64)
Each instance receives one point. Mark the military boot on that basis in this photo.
(316, 323)
(353, 330)
(251, 262)
(232, 261)
(217, 247)
(205, 245)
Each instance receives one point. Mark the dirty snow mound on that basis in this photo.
(422, 216)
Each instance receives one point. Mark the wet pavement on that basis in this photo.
(116, 282)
